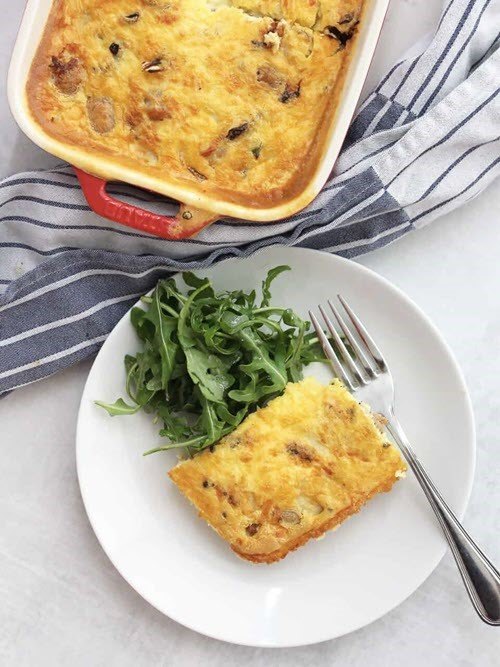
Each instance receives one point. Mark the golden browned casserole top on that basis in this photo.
(230, 96)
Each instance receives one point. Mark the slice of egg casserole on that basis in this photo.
(291, 471)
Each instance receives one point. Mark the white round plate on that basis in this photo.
(327, 588)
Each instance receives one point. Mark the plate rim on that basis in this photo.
(471, 467)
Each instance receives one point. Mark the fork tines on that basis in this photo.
(355, 363)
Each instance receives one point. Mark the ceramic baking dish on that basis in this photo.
(95, 171)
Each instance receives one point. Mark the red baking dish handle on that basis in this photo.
(166, 227)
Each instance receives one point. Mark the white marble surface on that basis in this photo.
(62, 601)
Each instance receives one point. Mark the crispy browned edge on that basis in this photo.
(296, 184)
(317, 532)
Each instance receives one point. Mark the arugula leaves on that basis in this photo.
(208, 359)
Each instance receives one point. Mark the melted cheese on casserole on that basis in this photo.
(227, 95)
(290, 471)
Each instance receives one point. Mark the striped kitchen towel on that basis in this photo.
(423, 143)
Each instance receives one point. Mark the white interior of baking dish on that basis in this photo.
(29, 36)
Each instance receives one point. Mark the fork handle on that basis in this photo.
(481, 578)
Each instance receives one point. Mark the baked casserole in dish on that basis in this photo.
(229, 100)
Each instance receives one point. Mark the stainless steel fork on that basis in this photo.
(363, 370)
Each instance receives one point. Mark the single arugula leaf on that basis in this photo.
(192, 280)
(294, 359)
(311, 350)
(144, 367)
(210, 422)
(168, 349)
(128, 362)
(266, 284)
(247, 390)
(192, 443)
(231, 419)
(119, 407)
(175, 427)
(259, 356)
(164, 327)
(207, 370)
(171, 298)
(141, 324)
(154, 384)
(184, 330)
